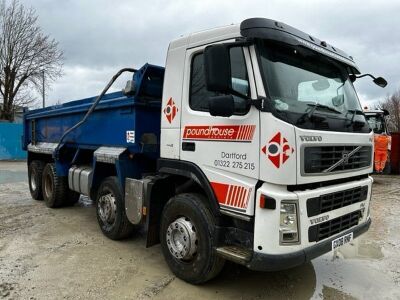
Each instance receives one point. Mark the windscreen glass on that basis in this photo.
(305, 86)
(377, 123)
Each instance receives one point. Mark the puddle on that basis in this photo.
(332, 293)
(12, 176)
(361, 249)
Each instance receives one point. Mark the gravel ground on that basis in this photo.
(62, 254)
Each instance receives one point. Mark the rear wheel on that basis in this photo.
(54, 187)
(110, 209)
(188, 239)
(35, 172)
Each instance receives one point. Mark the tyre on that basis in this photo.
(188, 239)
(55, 188)
(35, 172)
(110, 210)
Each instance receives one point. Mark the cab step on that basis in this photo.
(236, 254)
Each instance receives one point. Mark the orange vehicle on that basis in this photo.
(378, 123)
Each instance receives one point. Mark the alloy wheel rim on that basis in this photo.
(182, 239)
(107, 208)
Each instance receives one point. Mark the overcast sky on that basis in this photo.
(99, 37)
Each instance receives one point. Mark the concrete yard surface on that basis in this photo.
(62, 254)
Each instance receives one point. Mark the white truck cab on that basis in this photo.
(293, 161)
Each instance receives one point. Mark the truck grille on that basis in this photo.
(320, 158)
(328, 202)
(327, 229)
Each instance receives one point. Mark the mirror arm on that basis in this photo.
(260, 103)
(380, 81)
(367, 74)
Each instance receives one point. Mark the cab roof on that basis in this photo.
(265, 29)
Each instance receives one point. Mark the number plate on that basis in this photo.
(340, 241)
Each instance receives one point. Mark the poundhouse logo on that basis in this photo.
(231, 133)
(278, 150)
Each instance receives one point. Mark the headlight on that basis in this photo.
(289, 225)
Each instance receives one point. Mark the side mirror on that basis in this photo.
(380, 81)
(217, 68)
(385, 112)
(221, 106)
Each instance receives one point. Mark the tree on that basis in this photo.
(392, 104)
(26, 54)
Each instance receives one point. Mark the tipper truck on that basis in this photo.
(249, 146)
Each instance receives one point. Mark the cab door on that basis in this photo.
(226, 149)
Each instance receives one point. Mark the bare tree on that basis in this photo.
(392, 104)
(25, 53)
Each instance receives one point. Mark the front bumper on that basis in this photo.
(275, 262)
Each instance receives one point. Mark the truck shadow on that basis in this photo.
(296, 283)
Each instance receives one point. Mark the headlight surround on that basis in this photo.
(289, 223)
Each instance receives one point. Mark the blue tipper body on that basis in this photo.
(131, 122)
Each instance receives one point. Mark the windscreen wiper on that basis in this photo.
(317, 105)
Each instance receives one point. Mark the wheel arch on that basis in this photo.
(46, 158)
(191, 171)
(175, 177)
(101, 171)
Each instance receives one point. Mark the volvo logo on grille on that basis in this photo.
(311, 138)
(344, 160)
(345, 156)
(319, 219)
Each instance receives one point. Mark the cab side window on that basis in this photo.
(199, 94)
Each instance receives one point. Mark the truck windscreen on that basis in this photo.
(377, 123)
(307, 88)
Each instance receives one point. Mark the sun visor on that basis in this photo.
(267, 29)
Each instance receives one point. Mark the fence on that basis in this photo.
(10, 141)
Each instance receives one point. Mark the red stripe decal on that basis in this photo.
(248, 132)
(240, 204)
(240, 197)
(247, 198)
(231, 195)
(235, 202)
(220, 190)
(240, 132)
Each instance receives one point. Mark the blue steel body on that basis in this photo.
(114, 116)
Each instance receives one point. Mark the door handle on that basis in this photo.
(188, 146)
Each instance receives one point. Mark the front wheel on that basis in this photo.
(110, 210)
(188, 239)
